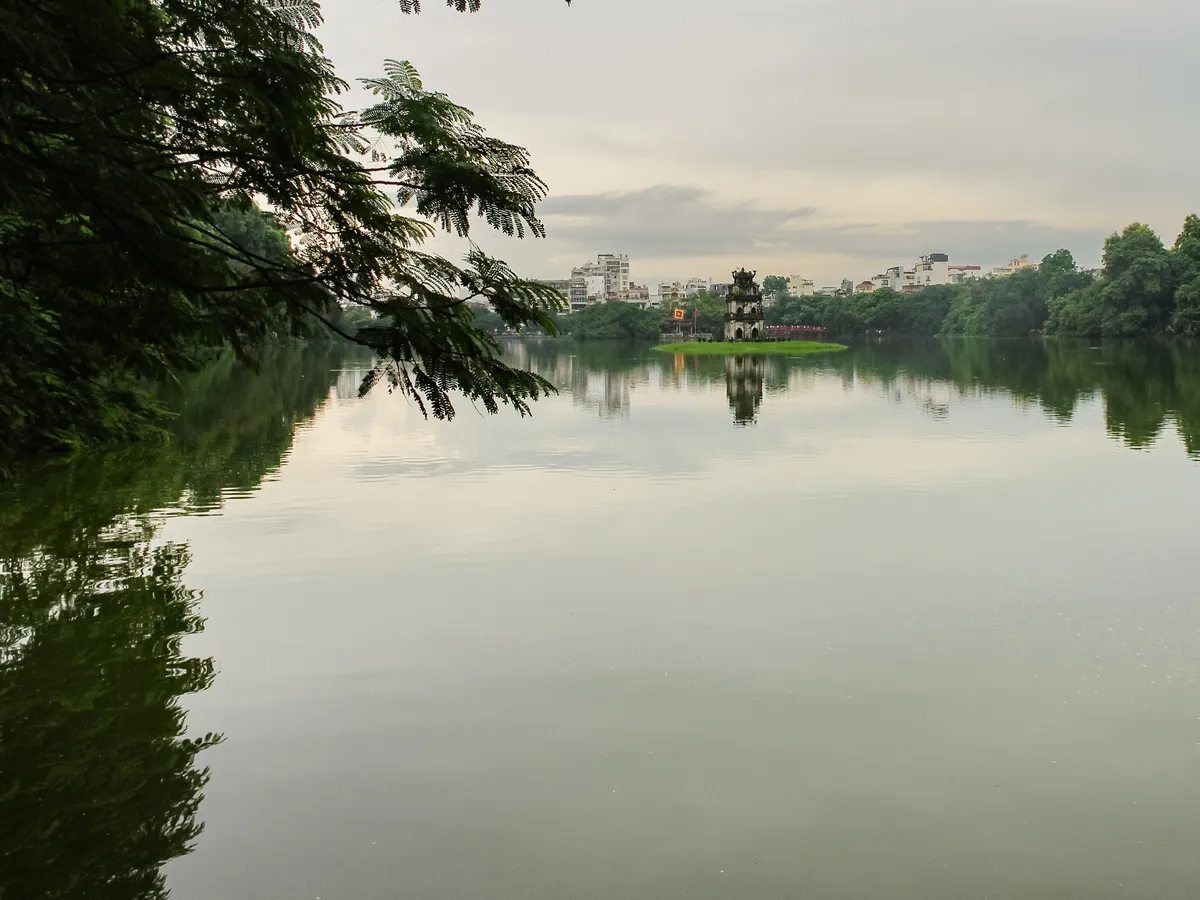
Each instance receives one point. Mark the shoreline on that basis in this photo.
(746, 348)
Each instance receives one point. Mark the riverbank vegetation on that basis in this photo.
(754, 348)
(609, 321)
(179, 177)
(1144, 288)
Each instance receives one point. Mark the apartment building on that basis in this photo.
(615, 268)
(800, 287)
(934, 268)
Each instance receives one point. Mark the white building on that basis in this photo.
(963, 274)
(931, 269)
(597, 287)
(613, 271)
(800, 287)
(638, 295)
(616, 273)
(587, 286)
(694, 286)
(893, 278)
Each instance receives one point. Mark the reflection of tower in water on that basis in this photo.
(744, 387)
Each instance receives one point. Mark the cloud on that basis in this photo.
(685, 222)
(832, 136)
(668, 221)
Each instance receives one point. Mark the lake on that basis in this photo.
(910, 621)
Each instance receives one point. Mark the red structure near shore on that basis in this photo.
(795, 333)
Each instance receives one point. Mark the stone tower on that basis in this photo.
(744, 318)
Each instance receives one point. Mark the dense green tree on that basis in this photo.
(1060, 274)
(1136, 293)
(920, 313)
(613, 320)
(1078, 313)
(775, 287)
(1185, 255)
(1186, 318)
(967, 315)
(927, 310)
(1144, 288)
(1185, 264)
(136, 136)
(712, 312)
(879, 310)
(1017, 305)
(790, 310)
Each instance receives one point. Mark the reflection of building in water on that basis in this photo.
(348, 382)
(933, 396)
(612, 399)
(595, 385)
(744, 386)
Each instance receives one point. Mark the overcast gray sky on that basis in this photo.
(817, 137)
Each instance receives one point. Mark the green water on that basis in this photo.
(911, 621)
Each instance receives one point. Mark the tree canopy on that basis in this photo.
(1135, 294)
(775, 286)
(608, 320)
(144, 145)
(1144, 288)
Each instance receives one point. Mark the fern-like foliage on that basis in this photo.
(446, 165)
(142, 143)
(301, 16)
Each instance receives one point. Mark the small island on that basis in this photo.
(720, 348)
(746, 331)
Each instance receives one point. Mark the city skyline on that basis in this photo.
(612, 277)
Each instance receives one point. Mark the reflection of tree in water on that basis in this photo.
(1186, 407)
(744, 377)
(99, 785)
(1144, 385)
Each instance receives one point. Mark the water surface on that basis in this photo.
(913, 621)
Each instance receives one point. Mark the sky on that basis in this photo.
(821, 138)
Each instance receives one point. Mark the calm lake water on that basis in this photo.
(912, 621)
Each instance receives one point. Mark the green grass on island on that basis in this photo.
(791, 348)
